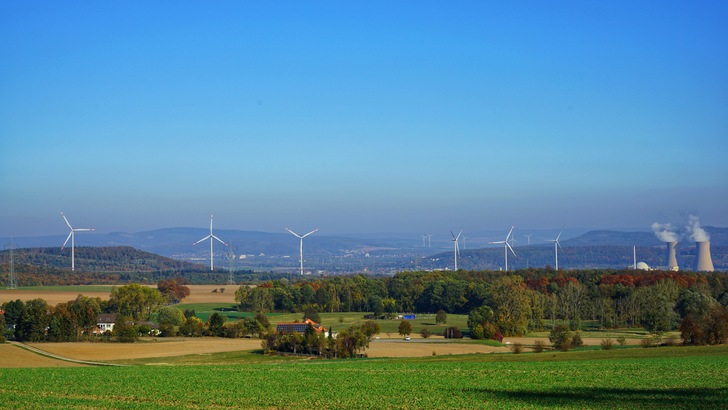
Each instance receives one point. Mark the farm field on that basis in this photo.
(59, 294)
(658, 378)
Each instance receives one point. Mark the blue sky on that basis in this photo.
(362, 117)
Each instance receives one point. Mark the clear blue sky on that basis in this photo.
(400, 116)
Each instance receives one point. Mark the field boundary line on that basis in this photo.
(57, 357)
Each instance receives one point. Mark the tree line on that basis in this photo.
(510, 304)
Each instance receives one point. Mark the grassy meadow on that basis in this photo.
(657, 378)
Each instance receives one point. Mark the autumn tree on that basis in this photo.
(173, 290)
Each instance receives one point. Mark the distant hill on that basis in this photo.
(574, 257)
(389, 253)
(718, 237)
(98, 259)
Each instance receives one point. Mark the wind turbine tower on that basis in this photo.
(507, 246)
(557, 245)
(13, 283)
(457, 248)
(231, 257)
(211, 236)
(429, 240)
(300, 249)
(72, 237)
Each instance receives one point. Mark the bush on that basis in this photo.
(2, 339)
(621, 340)
(425, 332)
(561, 337)
(670, 340)
(607, 344)
(516, 348)
(576, 340)
(538, 346)
(651, 341)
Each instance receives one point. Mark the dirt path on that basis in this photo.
(58, 357)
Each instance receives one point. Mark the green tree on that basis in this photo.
(193, 326)
(170, 315)
(311, 312)
(135, 301)
(510, 303)
(405, 328)
(370, 328)
(215, 324)
(124, 330)
(480, 323)
(441, 317)
(658, 306)
(85, 311)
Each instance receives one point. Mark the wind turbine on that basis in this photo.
(529, 237)
(300, 251)
(457, 248)
(557, 245)
(507, 246)
(72, 237)
(429, 240)
(424, 244)
(211, 236)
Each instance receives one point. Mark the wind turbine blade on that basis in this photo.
(69, 237)
(512, 251)
(559, 244)
(219, 240)
(309, 233)
(65, 219)
(453, 235)
(210, 222)
(559, 236)
(297, 235)
(83, 229)
(460, 233)
(510, 232)
(203, 239)
(497, 242)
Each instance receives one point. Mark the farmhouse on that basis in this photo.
(299, 327)
(105, 321)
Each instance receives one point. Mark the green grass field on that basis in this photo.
(660, 378)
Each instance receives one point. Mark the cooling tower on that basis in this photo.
(703, 263)
(671, 258)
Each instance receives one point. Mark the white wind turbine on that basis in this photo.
(457, 248)
(506, 245)
(557, 245)
(424, 242)
(72, 237)
(429, 240)
(529, 237)
(211, 236)
(300, 250)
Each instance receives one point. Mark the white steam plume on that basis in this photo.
(694, 231)
(664, 232)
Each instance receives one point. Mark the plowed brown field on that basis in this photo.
(198, 294)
